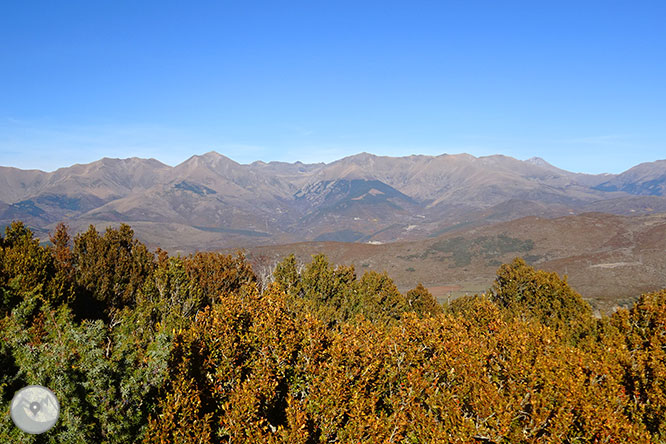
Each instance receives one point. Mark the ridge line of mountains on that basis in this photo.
(210, 201)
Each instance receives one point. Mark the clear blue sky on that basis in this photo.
(581, 83)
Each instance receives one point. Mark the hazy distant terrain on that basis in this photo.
(210, 201)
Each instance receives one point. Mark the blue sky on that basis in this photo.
(581, 84)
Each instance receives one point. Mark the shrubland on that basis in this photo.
(140, 346)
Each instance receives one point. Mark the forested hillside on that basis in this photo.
(141, 346)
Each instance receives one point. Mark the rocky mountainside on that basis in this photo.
(210, 201)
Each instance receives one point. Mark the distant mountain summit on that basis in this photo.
(211, 201)
(645, 179)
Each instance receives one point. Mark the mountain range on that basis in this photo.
(210, 201)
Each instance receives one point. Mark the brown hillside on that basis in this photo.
(609, 259)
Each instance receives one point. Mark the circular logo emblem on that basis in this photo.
(34, 409)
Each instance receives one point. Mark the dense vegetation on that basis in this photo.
(141, 346)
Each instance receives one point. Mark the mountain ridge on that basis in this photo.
(403, 197)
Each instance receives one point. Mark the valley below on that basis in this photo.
(609, 259)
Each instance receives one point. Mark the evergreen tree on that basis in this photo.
(63, 261)
(216, 275)
(26, 264)
(287, 277)
(528, 293)
(378, 298)
(110, 269)
(422, 301)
